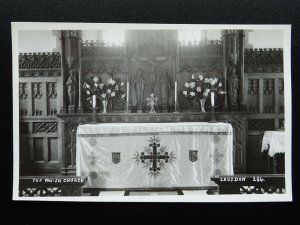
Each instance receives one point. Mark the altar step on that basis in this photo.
(147, 193)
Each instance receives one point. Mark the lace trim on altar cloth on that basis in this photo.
(156, 133)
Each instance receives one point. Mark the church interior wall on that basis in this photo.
(47, 143)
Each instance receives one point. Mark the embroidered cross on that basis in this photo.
(154, 157)
(93, 158)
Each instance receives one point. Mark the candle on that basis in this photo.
(175, 91)
(94, 101)
(212, 98)
(127, 95)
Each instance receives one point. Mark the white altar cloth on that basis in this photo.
(274, 140)
(153, 155)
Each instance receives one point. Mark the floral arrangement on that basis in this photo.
(200, 87)
(105, 92)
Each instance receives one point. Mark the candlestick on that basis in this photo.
(94, 115)
(213, 115)
(94, 101)
(212, 98)
(127, 95)
(175, 98)
(175, 92)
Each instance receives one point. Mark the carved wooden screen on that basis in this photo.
(104, 61)
(264, 91)
(39, 102)
(152, 57)
(205, 57)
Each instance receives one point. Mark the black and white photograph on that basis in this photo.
(112, 112)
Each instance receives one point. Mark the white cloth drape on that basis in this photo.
(274, 140)
(110, 155)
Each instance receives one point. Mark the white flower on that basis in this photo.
(96, 84)
(113, 94)
(206, 80)
(192, 84)
(206, 92)
(220, 84)
(95, 79)
(122, 83)
(193, 76)
(122, 96)
(192, 93)
(117, 88)
(184, 92)
(200, 77)
(213, 81)
(186, 84)
(87, 86)
(103, 95)
(111, 81)
(198, 89)
(108, 91)
(101, 86)
(88, 92)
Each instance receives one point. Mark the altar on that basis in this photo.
(153, 155)
(274, 143)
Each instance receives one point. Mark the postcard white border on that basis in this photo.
(18, 26)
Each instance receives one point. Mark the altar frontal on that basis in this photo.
(153, 155)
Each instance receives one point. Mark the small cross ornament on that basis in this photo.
(152, 101)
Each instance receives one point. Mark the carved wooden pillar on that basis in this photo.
(224, 41)
(126, 69)
(177, 73)
(64, 71)
(61, 149)
(80, 108)
(234, 43)
(261, 95)
(71, 50)
(242, 68)
(231, 53)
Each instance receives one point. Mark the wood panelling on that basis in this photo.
(52, 149)
(38, 149)
(24, 150)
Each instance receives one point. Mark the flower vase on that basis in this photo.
(202, 104)
(104, 104)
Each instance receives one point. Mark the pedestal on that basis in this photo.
(63, 111)
(164, 108)
(80, 110)
(175, 108)
(94, 116)
(71, 109)
(139, 109)
(213, 115)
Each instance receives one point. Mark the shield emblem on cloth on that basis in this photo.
(116, 157)
(193, 155)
